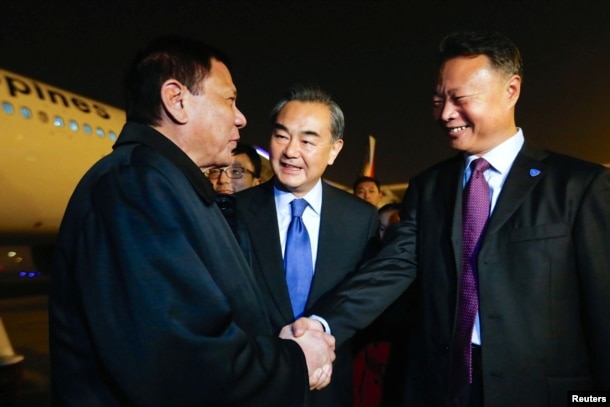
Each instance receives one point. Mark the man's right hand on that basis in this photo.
(303, 324)
(319, 350)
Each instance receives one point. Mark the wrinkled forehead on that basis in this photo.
(219, 78)
(304, 118)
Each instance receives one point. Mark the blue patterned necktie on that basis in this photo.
(476, 207)
(297, 259)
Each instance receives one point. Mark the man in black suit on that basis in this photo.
(146, 306)
(542, 274)
(307, 129)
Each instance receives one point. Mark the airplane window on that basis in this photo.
(26, 112)
(8, 108)
(42, 116)
(112, 135)
(58, 122)
(73, 125)
(100, 132)
(29, 274)
(87, 128)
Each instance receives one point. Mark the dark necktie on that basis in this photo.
(476, 207)
(297, 259)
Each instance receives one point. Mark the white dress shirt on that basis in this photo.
(311, 216)
(311, 219)
(501, 160)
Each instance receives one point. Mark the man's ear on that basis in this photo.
(334, 151)
(513, 87)
(172, 98)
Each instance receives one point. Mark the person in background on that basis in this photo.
(151, 301)
(244, 172)
(511, 253)
(388, 215)
(380, 349)
(369, 189)
(306, 137)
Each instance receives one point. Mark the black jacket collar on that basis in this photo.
(136, 133)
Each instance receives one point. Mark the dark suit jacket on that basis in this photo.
(152, 302)
(347, 226)
(544, 281)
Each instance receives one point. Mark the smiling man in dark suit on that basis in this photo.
(307, 129)
(539, 271)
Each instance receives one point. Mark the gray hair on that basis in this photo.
(314, 94)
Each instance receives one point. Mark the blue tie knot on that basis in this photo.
(298, 207)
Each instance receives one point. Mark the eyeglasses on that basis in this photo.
(231, 172)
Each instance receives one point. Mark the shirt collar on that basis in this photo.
(313, 198)
(502, 156)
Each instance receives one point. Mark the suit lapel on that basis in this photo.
(451, 194)
(527, 170)
(330, 216)
(264, 232)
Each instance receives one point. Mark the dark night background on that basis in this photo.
(375, 57)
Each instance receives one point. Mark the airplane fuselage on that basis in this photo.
(50, 137)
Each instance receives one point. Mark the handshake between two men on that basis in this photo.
(318, 347)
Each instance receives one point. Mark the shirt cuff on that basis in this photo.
(322, 321)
